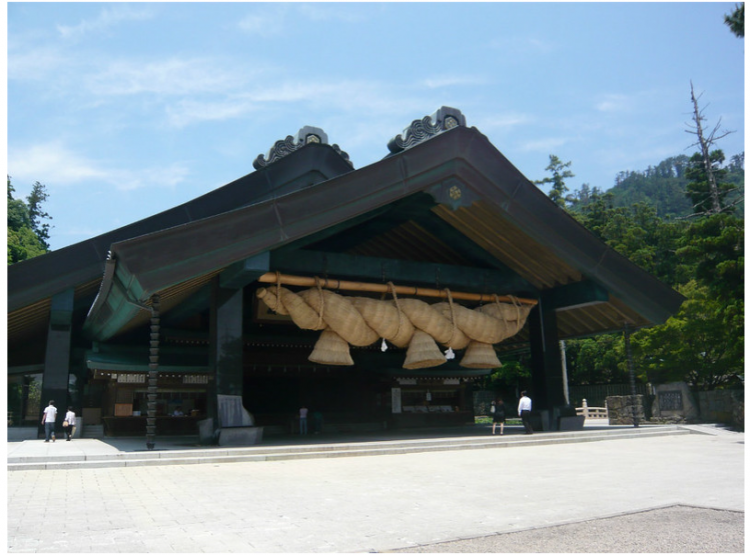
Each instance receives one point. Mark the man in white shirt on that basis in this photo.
(48, 419)
(524, 411)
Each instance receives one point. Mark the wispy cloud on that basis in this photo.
(360, 97)
(452, 81)
(187, 112)
(172, 76)
(330, 12)
(522, 45)
(52, 160)
(55, 164)
(168, 177)
(107, 18)
(613, 103)
(265, 22)
(505, 121)
(33, 63)
(272, 21)
(543, 145)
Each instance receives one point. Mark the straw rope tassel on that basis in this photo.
(449, 354)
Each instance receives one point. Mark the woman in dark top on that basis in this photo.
(498, 415)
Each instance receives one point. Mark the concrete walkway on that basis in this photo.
(363, 503)
(132, 451)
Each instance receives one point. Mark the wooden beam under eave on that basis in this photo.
(401, 272)
(304, 281)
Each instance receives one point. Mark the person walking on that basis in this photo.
(48, 419)
(498, 415)
(524, 411)
(69, 423)
(303, 420)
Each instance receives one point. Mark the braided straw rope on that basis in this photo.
(361, 321)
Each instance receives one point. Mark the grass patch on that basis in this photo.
(488, 420)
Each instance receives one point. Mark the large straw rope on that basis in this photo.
(361, 321)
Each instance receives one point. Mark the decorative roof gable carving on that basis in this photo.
(422, 129)
(305, 136)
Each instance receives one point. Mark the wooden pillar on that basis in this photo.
(546, 371)
(153, 372)
(57, 355)
(225, 351)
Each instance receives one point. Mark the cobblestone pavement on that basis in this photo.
(371, 503)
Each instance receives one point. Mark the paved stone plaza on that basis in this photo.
(368, 503)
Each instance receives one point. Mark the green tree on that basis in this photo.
(559, 175)
(695, 345)
(37, 216)
(700, 190)
(636, 232)
(27, 232)
(715, 248)
(736, 20)
(596, 360)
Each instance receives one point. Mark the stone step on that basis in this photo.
(93, 431)
(279, 453)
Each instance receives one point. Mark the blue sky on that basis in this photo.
(125, 110)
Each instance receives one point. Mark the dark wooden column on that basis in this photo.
(546, 370)
(57, 355)
(225, 351)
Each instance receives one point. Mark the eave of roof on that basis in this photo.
(43, 276)
(151, 263)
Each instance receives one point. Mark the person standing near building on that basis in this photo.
(303, 420)
(69, 423)
(498, 415)
(524, 411)
(48, 419)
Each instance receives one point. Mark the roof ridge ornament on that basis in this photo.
(422, 129)
(305, 136)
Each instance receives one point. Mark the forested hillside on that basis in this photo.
(663, 187)
(681, 221)
(685, 227)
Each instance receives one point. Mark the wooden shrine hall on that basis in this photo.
(374, 296)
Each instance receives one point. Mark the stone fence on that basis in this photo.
(676, 403)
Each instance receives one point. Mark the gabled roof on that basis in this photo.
(33, 282)
(479, 196)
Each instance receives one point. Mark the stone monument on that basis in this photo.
(675, 402)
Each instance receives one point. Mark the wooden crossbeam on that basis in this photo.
(303, 281)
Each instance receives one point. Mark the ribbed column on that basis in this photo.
(153, 374)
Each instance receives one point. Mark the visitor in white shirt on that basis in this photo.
(48, 419)
(524, 411)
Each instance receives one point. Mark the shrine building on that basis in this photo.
(374, 296)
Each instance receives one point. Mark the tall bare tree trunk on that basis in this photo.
(705, 153)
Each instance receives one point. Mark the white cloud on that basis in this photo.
(504, 122)
(34, 63)
(168, 177)
(265, 23)
(452, 81)
(108, 17)
(330, 12)
(187, 112)
(174, 76)
(615, 103)
(56, 165)
(543, 145)
(515, 46)
(274, 21)
(361, 97)
(48, 162)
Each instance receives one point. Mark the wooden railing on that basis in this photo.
(592, 412)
